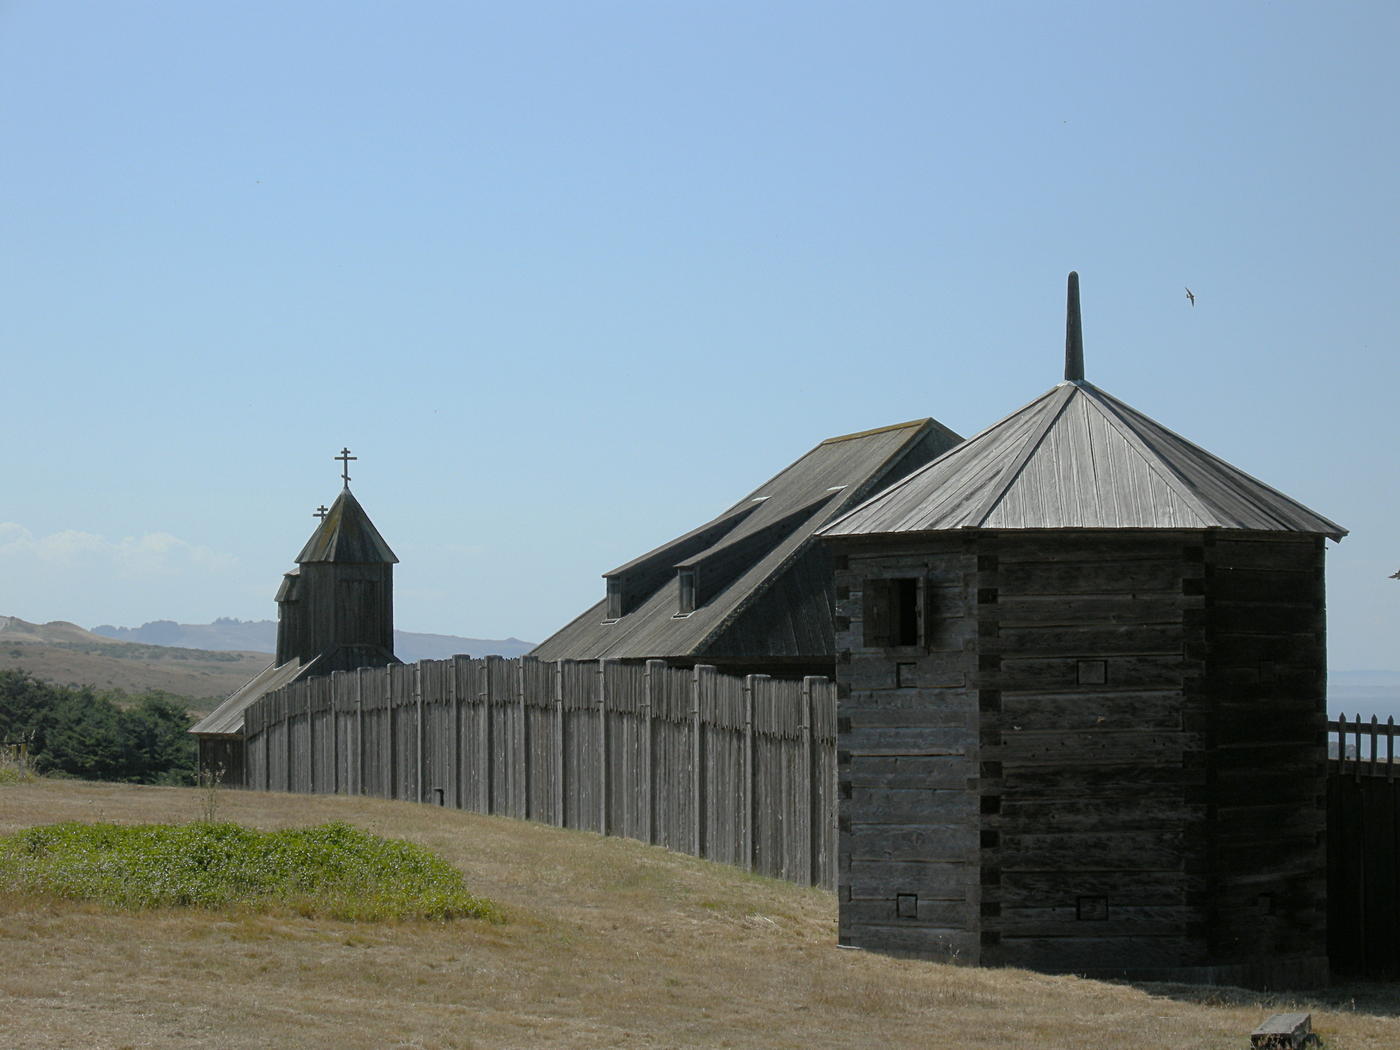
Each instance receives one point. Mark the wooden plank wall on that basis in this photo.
(1103, 754)
(739, 770)
(1265, 674)
(1089, 752)
(909, 877)
(1363, 849)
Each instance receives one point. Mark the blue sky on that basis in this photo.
(570, 278)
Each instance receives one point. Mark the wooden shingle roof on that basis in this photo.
(748, 547)
(347, 536)
(1078, 458)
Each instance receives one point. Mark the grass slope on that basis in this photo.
(332, 870)
(606, 943)
(206, 676)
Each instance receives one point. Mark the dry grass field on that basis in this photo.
(608, 943)
(205, 677)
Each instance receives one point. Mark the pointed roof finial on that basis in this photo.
(1074, 333)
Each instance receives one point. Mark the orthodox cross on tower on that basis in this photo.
(320, 512)
(345, 459)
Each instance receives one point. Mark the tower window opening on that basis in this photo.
(894, 612)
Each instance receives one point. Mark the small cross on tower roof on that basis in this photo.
(320, 512)
(345, 459)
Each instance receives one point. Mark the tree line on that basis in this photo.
(81, 732)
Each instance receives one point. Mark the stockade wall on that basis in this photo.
(1363, 848)
(740, 770)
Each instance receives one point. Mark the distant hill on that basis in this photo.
(260, 636)
(65, 654)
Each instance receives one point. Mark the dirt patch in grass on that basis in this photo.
(607, 943)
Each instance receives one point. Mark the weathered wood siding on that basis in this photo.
(737, 770)
(1105, 755)
(222, 758)
(1363, 849)
(1088, 827)
(1265, 675)
(338, 604)
(908, 757)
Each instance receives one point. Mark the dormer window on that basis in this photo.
(614, 608)
(686, 578)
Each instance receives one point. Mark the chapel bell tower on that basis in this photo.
(337, 606)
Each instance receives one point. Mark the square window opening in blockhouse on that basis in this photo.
(1093, 672)
(906, 905)
(894, 612)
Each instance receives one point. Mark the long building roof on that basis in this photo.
(747, 547)
(227, 718)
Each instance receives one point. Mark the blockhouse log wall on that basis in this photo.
(1118, 742)
(739, 770)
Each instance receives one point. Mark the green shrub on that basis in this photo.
(77, 732)
(13, 773)
(333, 870)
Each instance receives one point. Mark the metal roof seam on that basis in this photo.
(1032, 444)
(1242, 481)
(1174, 480)
(913, 475)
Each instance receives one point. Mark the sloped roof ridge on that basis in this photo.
(1117, 414)
(788, 523)
(831, 514)
(227, 718)
(732, 517)
(1050, 413)
(345, 522)
(876, 430)
(1243, 481)
(1207, 490)
(914, 475)
(829, 477)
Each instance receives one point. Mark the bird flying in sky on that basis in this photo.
(1191, 295)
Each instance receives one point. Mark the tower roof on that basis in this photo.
(346, 535)
(1078, 458)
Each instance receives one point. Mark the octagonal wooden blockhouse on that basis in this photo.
(1082, 705)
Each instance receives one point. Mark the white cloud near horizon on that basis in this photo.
(150, 554)
(85, 576)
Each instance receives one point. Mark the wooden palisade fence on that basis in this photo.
(740, 770)
(1363, 847)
